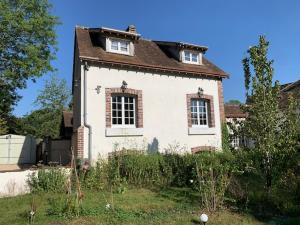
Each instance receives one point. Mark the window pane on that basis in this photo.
(194, 57)
(114, 121)
(114, 45)
(132, 114)
(119, 120)
(119, 113)
(124, 46)
(187, 56)
(126, 121)
(131, 121)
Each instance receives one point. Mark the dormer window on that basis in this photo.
(191, 57)
(118, 46)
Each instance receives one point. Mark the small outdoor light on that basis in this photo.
(124, 85)
(200, 91)
(203, 218)
(98, 88)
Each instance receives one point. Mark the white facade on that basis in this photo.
(165, 119)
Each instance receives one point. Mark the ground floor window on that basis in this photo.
(199, 112)
(123, 111)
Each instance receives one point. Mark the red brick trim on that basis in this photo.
(200, 149)
(221, 101)
(78, 142)
(139, 104)
(211, 111)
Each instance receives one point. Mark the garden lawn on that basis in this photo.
(135, 206)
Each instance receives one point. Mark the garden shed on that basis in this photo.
(17, 149)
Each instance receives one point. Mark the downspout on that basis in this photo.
(88, 126)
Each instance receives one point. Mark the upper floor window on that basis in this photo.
(123, 111)
(199, 115)
(191, 57)
(119, 46)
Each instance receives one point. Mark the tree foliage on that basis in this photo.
(233, 102)
(52, 100)
(271, 132)
(27, 45)
(3, 126)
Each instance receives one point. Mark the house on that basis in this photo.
(134, 93)
(292, 89)
(234, 114)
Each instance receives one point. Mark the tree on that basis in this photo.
(52, 100)
(27, 46)
(270, 131)
(3, 126)
(233, 102)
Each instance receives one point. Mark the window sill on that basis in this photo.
(202, 131)
(120, 132)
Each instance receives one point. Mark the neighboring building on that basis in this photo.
(133, 93)
(289, 89)
(234, 114)
(66, 126)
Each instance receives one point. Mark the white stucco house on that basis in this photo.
(134, 93)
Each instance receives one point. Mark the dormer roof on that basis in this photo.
(182, 45)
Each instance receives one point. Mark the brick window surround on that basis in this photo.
(210, 108)
(130, 92)
(200, 149)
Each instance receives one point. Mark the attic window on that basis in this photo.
(191, 57)
(119, 46)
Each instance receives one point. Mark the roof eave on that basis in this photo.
(156, 68)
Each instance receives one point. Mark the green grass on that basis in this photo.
(134, 207)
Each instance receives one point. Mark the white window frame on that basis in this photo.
(123, 125)
(190, 61)
(119, 41)
(198, 113)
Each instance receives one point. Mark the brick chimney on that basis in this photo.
(131, 29)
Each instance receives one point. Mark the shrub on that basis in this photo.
(214, 172)
(47, 180)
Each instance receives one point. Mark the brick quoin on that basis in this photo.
(221, 101)
(139, 104)
(78, 142)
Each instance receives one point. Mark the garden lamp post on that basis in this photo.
(204, 218)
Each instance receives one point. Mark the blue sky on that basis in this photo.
(227, 27)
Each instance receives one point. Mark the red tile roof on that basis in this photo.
(234, 111)
(148, 56)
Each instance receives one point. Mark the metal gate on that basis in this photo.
(17, 149)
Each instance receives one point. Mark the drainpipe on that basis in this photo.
(88, 126)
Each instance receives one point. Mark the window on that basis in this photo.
(238, 142)
(199, 113)
(235, 142)
(119, 46)
(191, 57)
(123, 111)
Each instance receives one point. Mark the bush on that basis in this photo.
(209, 173)
(47, 180)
